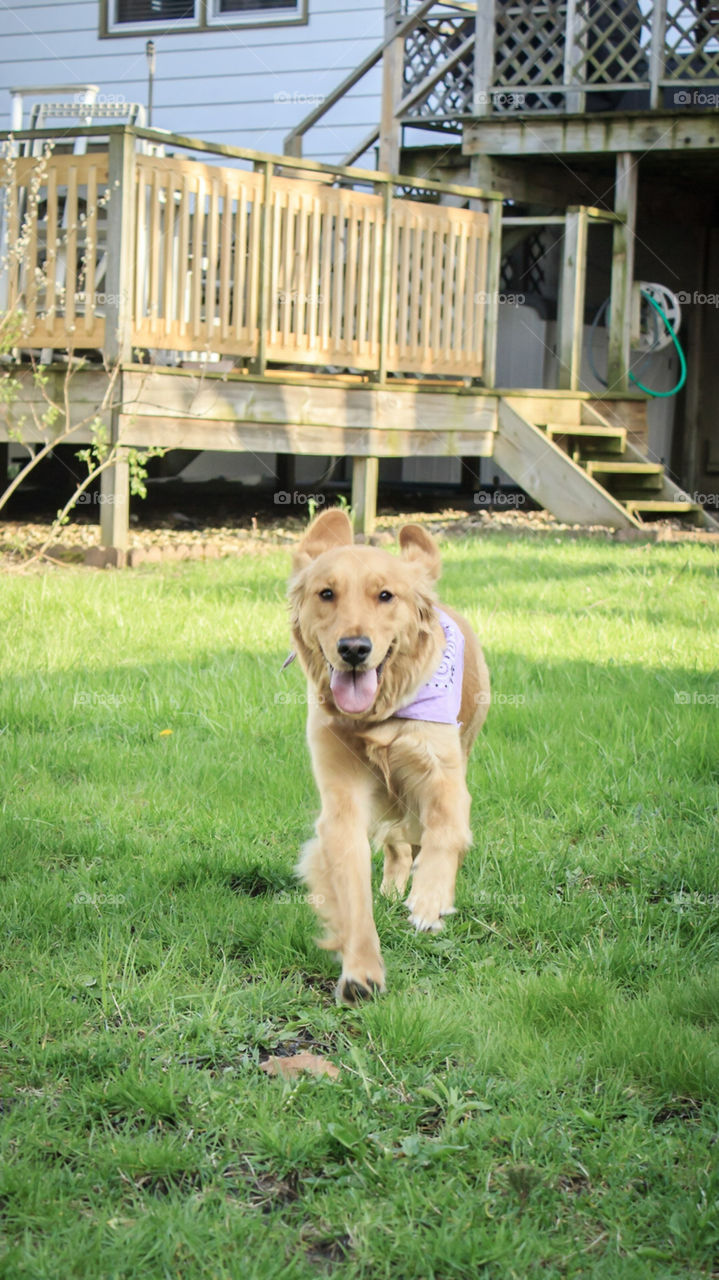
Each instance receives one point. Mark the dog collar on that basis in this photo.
(440, 698)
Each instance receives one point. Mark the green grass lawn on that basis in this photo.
(536, 1095)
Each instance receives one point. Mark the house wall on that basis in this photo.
(243, 86)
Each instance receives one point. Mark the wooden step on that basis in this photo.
(626, 479)
(613, 439)
(659, 509)
(612, 468)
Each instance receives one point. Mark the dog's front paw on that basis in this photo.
(360, 982)
(352, 991)
(426, 908)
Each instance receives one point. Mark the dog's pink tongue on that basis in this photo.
(354, 691)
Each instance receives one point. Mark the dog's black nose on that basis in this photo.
(354, 649)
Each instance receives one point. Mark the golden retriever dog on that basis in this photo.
(397, 692)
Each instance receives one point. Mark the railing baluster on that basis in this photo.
(386, 282)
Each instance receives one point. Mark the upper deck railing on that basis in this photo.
(447, 61)
(571, 55)
(215, 249)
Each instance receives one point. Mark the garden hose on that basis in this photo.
(661, 313)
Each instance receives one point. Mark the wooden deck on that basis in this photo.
(309, 415)
(356, 321)
(124, 250)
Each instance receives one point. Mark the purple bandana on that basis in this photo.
(440, 698)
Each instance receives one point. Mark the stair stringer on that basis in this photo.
(550, 476)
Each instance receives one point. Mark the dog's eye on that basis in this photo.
(384, 596)
(327, 594)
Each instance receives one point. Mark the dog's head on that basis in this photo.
(364, 621)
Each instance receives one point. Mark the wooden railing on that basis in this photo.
(279, 262)
(54, 233)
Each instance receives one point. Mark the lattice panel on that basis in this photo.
(692, 40)
(434, 42)
(536, 58)
(523, 269)
(529, 44)
(611, 44)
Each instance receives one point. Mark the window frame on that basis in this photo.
(268, 17)
(205, 19)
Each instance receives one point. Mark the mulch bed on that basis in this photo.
(173, 539)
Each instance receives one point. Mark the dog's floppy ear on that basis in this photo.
(327, 532)
(420, 546)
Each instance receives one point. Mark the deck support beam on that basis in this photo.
(365, 476)
(620, 301)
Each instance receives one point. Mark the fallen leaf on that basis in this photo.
(289, 1067)
(165, 732)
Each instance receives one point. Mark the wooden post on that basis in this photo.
(657, 16)
(494, 276)
(115, 506)
(114, 483)
(120, 247)
(365, 475)
(685, 449)
(484, 36)
(570, 325)
(574, 99)
(264, 306)
(620, 301)
(392, 74)
(690, 469)
(386, 285)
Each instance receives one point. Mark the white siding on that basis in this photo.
(245, 86)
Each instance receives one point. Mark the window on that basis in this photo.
(143, 17)
(154, 10)
(250, 6)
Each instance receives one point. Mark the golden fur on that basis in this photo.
(399, 783)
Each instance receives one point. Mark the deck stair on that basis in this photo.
(583, 467)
